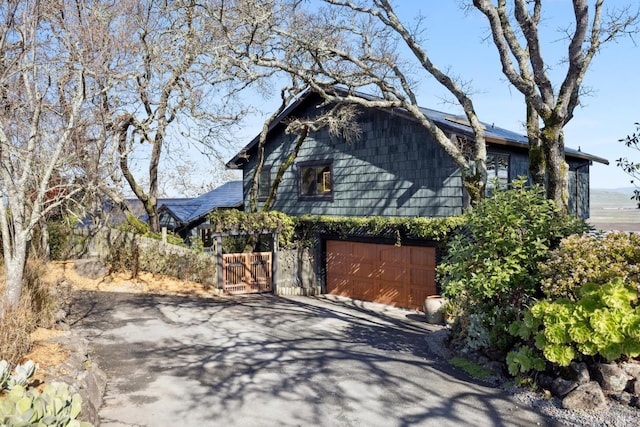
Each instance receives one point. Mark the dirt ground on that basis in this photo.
(60, 271)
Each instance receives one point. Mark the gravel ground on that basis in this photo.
(616, 415)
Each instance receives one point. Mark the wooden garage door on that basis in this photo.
(400, 276)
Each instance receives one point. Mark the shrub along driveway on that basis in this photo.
(266, 361)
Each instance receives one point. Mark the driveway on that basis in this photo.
(271, 361)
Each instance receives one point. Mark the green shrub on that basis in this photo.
(491, 267)
(590, 259)
(60, 233)
(140, 228)
(604, 321)
(398, 228)
(127, 254)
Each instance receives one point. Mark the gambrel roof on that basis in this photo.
(455, 124)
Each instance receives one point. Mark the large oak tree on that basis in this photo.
(516, 31)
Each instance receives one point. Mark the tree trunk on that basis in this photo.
(557, 168)
(273, 192)
(14, 264)
(45, 246)
(537, 158)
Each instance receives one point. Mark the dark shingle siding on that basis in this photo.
(395, 169)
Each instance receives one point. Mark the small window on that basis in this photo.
(315, 179)
(264, 183)
(497, 171)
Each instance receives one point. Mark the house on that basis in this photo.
(396, 168)
(183, 216)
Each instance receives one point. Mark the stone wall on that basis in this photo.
(297, 273)
(145, 254)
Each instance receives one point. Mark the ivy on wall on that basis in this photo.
(307, 228)
(232, 220)
(398, 228)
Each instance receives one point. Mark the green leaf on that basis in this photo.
(563, 355)
(631, 347)
(612, 351)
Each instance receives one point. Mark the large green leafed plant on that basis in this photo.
(491, 267)
(603, 321)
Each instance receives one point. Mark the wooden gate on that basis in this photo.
(246, 273)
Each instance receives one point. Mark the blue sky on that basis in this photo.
(457, 41)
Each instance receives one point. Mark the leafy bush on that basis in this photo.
(604, 321)
(491, 267)
(141, 228)
(132, 253)
(471, 368)
(580, 260)
(60, 233)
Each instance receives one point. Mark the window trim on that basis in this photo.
(264, 197)
(327, 196)
(489, 189)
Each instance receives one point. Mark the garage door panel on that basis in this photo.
(339, 265)
(400, 276)
(363, 289)
(389, 293)
(363, 252)
(425, 257)
(392, 254)
(363, 270)
(339, 285)
(392, 272)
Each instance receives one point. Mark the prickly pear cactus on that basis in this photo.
(58, 404)
(22, 374)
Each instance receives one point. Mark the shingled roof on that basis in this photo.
(449, 122)
(186, 211)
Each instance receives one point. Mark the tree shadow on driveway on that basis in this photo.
(266, 360)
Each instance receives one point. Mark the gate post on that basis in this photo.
(219, 259)
(274, 262)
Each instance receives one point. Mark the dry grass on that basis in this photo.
(144, 282)
(15, 328)
(38, 304)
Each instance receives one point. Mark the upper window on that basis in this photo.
(264, 183)
(315, 179)
(497, 171)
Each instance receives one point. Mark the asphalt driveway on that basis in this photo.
(271, 361)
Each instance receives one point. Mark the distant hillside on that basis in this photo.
(613, 209)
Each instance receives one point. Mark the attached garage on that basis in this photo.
(402, 276)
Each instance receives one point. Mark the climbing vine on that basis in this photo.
(233, 220)
(398, 228)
